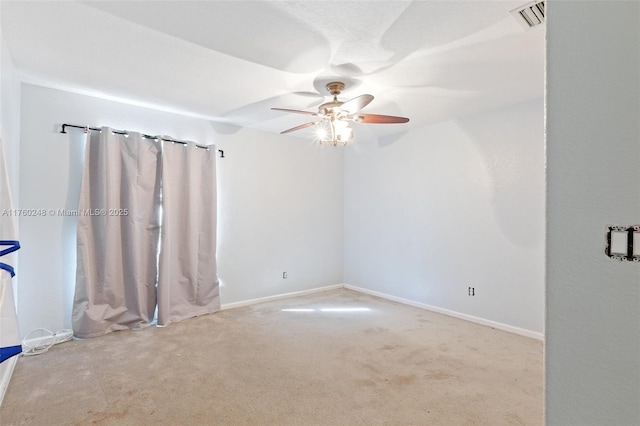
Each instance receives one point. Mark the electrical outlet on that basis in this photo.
(471, 291)
(284, 275)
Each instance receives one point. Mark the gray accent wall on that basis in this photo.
(593, 180)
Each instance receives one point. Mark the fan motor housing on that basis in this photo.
(329, 108)
(335, 87)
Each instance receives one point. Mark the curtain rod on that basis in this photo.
(122, 132)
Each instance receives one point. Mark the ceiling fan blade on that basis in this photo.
(379, 119)
(302, 126)
(356, 104)
(296, 111)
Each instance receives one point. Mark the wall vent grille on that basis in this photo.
(530, 15)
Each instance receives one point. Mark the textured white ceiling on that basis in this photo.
(231, 61)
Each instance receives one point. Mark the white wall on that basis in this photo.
(593, 180)
(9, 114)
(280, 210)
(450, 206)
(280, 203)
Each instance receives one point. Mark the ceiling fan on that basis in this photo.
(335, 117)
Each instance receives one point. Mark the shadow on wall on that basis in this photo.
(390, 139)
(254, 113)
(514, 158)
(224, 128)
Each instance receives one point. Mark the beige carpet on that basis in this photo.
(382, 363)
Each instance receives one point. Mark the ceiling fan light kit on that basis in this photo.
(336, 132)
(336, 117)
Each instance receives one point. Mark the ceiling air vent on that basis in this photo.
(529, 15)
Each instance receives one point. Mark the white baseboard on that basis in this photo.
(470, 318)
(6, 370)
(279, 296)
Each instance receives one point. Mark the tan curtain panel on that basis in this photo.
(187, 281)
(146, 233)
(118, 234)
